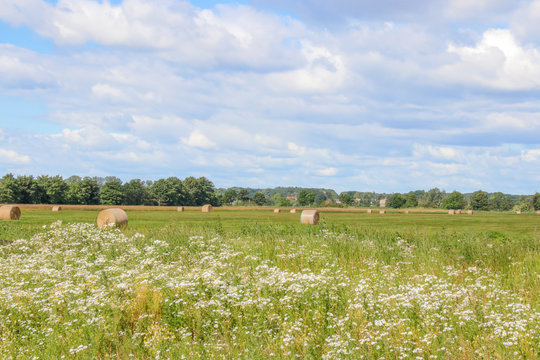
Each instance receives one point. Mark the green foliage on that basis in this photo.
(259, 199)
(412, 200)
(112, 193)
(346, 199)
(479, 200)
(396, 201)
(84, 192)
(243, 195)
(536, 201)
(500, 202)
(454, 201)
(306, 197)
(168, 192)
(229, 196)
(9, 190)
(199, 191)
(434, 197)
(136, 192)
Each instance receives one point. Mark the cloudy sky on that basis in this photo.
(385, 96)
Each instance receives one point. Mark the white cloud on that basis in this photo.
(327, 171)
(13, 157)
(531, 155)
(497, 60)
(199, 140)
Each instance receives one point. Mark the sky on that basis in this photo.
(386, 96)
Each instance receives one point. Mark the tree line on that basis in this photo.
(191, 191)
(110, 190)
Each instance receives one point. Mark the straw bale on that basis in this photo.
(518, 212)
(294, 211)
(310, 217)
(538, 211)
(180, 209)
(382, 211)
(112, 217)
(470, 212)
(406, 211)
(369, 211)
(56, 208)
(276, 211)
(458, 211)
(10, 212)
(207, 208)
(451, 212)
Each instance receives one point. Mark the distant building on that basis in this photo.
(382, 203)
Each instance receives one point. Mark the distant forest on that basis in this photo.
(172, 191)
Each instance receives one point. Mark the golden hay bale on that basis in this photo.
(310, 217)
(518, 212)
(294, 211)
(458, 212)
(451, 212)
(382, 211)
(538, 212)
(114, 217)
(406, 211)
(180, 209)
(276, 211)
(470, 212)
(56, 208)
(10, 212)
(207, 208)
(369, 211)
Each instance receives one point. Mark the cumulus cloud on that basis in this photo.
(13, 157)
(199, 140)
(497, 60)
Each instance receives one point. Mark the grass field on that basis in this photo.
(252, 284)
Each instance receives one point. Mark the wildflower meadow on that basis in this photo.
(270, 291)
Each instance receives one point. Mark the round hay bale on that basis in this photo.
(294, 211)
(56, 208)
(458, 212)
(207, 208)
(276, 211)
(382, 211)
(180, 209)
(369, 211)
(113, 217)
(406, 211)
(538, 212)
(518, 212)
(10, 212)
(451, 212)
(470, 212)
(310, 217)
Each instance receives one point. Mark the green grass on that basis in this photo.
(256, 285)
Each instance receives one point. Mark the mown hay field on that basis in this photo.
(254, 284)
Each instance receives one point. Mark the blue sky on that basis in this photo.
(386, 96)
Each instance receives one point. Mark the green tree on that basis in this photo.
(55, 189)
(346, 199)
(433, 198)
(396, 201)
(84, 192)
(243, 195)
(136, 192)
(27, 189)
(259, 198)
(229, 196)
(536, 201)
(479, 200)
(500, 202)
(306, 197)
(454, 201)
(199, 191)
(412, 200)
(112, 193)
(9, 189)
(168, 191)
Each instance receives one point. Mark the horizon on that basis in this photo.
(379, 96)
